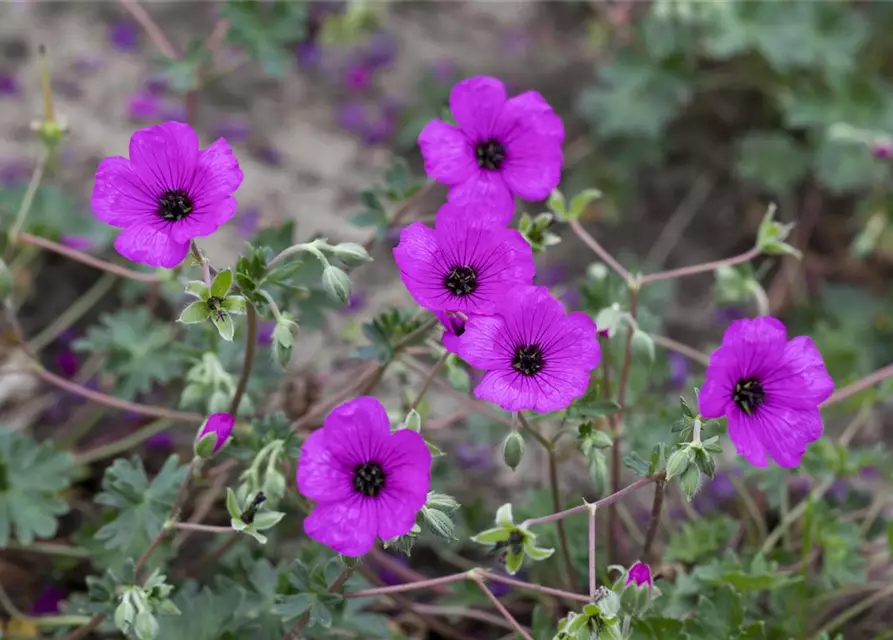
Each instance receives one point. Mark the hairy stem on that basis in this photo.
(248, 361)
(28, 200)
(599, 250)
(604, 502)
(592, 576)
(860, 385)
(501, 608)
(426, 383)
(672, 274)
(654, 522)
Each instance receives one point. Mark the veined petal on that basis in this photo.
(448, 153)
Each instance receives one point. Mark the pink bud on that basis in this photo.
(220, 424)
(640, 573)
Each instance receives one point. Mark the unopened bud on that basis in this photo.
(336, 283)
(213, 434)
(642, 346)
(513, 449)
(351, 254)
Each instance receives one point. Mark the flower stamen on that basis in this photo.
(461, 281)
(749, 394)
(174, 205)
(490, 154)
(369, 479)
(528, 360)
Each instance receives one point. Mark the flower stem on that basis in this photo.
(860, 385)
(501, 608)
(611, 499)
(747, 256)
(335, 587)
(115, 403)
(87, 259)
(120, 446)
(28, 200)
(193, 526)
(599, 250)
(53, 549)
(416, 333)
(426, 383)
(653, 523)
(74, 313)
(156, 35)
(683, 349)
(202, 259)
(248, 361)
(592, 576)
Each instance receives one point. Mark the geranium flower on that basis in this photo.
(167, 193)
(502, 147)
(365, 480)
(535, 356)
(453, 328)
(460, 265)
(769, 388)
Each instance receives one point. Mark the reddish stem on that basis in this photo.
(87, 259)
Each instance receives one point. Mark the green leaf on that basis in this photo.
(492, 536)
(772, 159)
(198, 289)
(32, 476)
(182, 72)
(196, 312)
(232, 504)
(225, 326)
(221, 284)
(235, 304)
(140, 505)
(266, 30)
(700, 539)
(267, 520)
(588, 407)
(504, 516)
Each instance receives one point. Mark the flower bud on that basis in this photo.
(336, 283)
(642, 346)
(5, 281)
(640, 574)
(636, 596)
(351, 254)
(678, 463)
(513, 449)
(213, 434)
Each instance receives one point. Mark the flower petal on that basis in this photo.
(357, 431)
(346, 527)
(532, 135)
(204, 219)
(407, 465)
(802, 358)
(320, 476)
(165, 156)
(151, 246)
(476, 104)
(448, 153)
(484, 216)
(485, 190)
(120, 197)
(482, 345)
(746, 441)
(218, 174)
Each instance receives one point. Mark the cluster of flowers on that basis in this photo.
(476, 274)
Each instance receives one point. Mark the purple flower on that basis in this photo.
(453, 328)
(388, 576)
(167, 193)
(124, 36)
(502, 147)
(769, 388)
(235, 131)
(48, 601)
(247, 221)
(163, 441)
(679, 370)
(535, 356)
(380, 50)
(14, 172)
(640, 575)
(474, 456)
(9, 85)
(80, 243)
(353, 118)
(358, 77)
(265, 332)
(308, 54)
(355, 303)
(269, 155)
(155, 85)
(174, 110)
(460, 266)
(68, 362)
(220, 425)
(882, 150)
(365, 480)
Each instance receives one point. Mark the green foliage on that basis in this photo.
(266, 30)
(54, 213)
(700, 539)
(139, 505)
(139, 349)
(387, 330)
(32, 477)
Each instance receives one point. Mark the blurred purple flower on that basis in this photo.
(234, 131)
(799, 485)
(143, 106)
(163, 441)
(379, 130)
(387, 576)
(839, 490)
(725, 315)
(500, 589)
(355, 303)
(309, 55)
(124, 36)
(358, 77)
(49, 601)
(80, 243)
(14, 173)
(155, 85)
(869, 473)
(380, 50)
(474, 456)
(679, 370)
(550, 275)
(247, 221)
(9, 85)
(68, 362)
(352, 117)
(265, 332)
(882, 150)
(269, 155)
(174, 110)
(444, 71)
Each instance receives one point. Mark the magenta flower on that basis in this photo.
(221, 426)
(640, 574)
(365, 480)
(453, 328)
(502, 147)
(535, 356)
(769, 388)
(459, 266)
(167, 193)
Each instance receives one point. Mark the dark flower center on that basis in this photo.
(490, 154)
(528, 360)
(368, 479)
(461, 281)
(749, 395)
(174, 205)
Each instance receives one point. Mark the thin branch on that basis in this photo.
(592, 576)
(529, 586)
(28, 200)
(408, 586)
(248, 361)
(426, 383)
(84, 304)
(654, 522)
(599, 250)
(672, 274)
(403, 211)
(156, 35)
(87, 259)
(124, 444)
(860, 385)
(689, 352)
(192, 526)
(611, 499)
(501, 608)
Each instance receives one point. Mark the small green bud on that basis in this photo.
(691, 481)
(441, 501)
(678, 463)
(336, 283)
(351, 254)
(5, 281)
(440, 523)
(513, 449)
(609, 319)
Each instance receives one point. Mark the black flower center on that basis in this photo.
(368, 479)
(490, 154)
(528, 360)
(461, 281)
(174, 205)
(749, 395)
